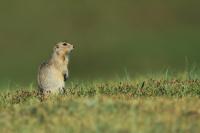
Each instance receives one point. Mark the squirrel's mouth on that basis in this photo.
(72, 47)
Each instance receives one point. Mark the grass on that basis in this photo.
(150, 104)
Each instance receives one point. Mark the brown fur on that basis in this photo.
(51, 73)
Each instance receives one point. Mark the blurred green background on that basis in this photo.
(111, 37)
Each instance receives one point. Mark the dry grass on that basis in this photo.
(141, 105)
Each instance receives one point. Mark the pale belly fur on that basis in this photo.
(51, 81)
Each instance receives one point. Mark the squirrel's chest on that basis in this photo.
(62, 65)
(65, 64)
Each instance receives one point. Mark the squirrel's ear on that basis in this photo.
(56, 47)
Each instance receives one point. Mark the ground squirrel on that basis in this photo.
(53, 73)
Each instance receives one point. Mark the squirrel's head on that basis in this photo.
(63, 48)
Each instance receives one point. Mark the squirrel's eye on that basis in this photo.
(64, 44)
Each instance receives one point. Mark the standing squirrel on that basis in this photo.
(53, 73)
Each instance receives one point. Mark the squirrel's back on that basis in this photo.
(49, 78)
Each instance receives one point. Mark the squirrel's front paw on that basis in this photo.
(65, 77)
